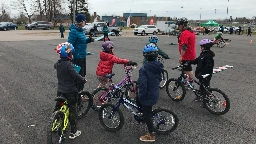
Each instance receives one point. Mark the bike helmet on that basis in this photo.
(107, 46)
(153, 39)
(181, 21)
(150, 50)
(80, 18)
(206, 43)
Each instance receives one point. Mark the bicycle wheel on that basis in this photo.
(55, 128)
(96, 104)
(164, 79)
(221, 43)
(111, 120)
(216, 101)
(164, 121)
(131, 90)
(84, 103)
(175, 90)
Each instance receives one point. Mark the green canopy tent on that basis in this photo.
(210, 23)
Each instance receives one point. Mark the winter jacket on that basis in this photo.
(105, 29)
(66, 75)
(148, 82)
(61, 28)
(78, 39)
(106, 63)
(205, 63)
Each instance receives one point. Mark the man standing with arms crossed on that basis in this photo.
(187, 46)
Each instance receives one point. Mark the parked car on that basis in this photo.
(8, 26)
(89, 29)
(145, 29)
(39, 25)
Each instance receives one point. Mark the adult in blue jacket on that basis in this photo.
(105, 32)
(78, 39)
(148, 83)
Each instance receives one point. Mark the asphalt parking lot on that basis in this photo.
(28, 87)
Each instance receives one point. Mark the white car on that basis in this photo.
(145, 30)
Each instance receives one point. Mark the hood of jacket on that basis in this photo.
(104, 56)
(73, 26)
(209, 52)
(155, 67)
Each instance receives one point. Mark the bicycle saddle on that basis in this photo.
(109, 75)
(60, 98)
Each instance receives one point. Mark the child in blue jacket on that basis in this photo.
(105, 32)
(148, 83)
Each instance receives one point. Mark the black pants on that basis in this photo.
(249, 34)
(206, 83)
(72, 103)
(61, 34)
(106, 36)
(147, 114)
(82, 64)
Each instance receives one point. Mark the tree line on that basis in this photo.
(43, 10)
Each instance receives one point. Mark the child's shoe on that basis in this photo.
(148, 138)
(74, 135)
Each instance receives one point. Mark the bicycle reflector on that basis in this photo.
(62, 103)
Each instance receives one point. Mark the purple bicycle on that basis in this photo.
(103, 95)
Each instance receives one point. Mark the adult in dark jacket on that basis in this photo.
(249, 31)
(148, 83)
(66, 75)
(62, 30)
(205, 62)
(95, 30)
(78, 39)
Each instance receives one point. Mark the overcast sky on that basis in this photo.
(173, 8)
(191, 8)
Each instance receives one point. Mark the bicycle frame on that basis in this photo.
(126, 80)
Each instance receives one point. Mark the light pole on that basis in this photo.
(200, 15)
(74, 3)
(215, 13)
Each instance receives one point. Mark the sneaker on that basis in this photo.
(74, 135)
(148, 138)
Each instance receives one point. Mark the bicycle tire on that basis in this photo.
(161, 86)
(121, 116)
(95, 100)
(128, 89)
(157, 121)
(82, 110)
(57, 115)
(225, 104)
(179, 97)
(221, 43)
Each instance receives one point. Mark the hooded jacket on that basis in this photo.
(148, 82)
(67, 75)
(106, 63)
(205, 63)
(78, 39)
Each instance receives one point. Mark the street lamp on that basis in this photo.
(200, 15)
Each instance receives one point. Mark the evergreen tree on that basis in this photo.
(81, 8)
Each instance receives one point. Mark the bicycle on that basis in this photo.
(164, 74)
(220, 42)
(106, 94)
(160, 121)
(209, 99)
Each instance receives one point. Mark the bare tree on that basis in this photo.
(4, 14)
(27, 7)
(54, 10)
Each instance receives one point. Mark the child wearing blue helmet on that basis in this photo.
(67, 75)
(148, 83)
(154, 39)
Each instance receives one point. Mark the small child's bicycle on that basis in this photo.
(212, 102)
(59, 122)
(112, 119)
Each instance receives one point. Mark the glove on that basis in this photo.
(132, 63)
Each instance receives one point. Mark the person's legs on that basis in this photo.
(147, 114)
(188, 70)
(62, 35)
(82, 64)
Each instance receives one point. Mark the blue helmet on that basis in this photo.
(66, 51)
(153, 39)
(150, 50)
(80, 18)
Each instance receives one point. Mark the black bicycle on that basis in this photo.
(214, 100)
(164, 74)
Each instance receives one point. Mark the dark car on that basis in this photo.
(39, 25)
(8, 26)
